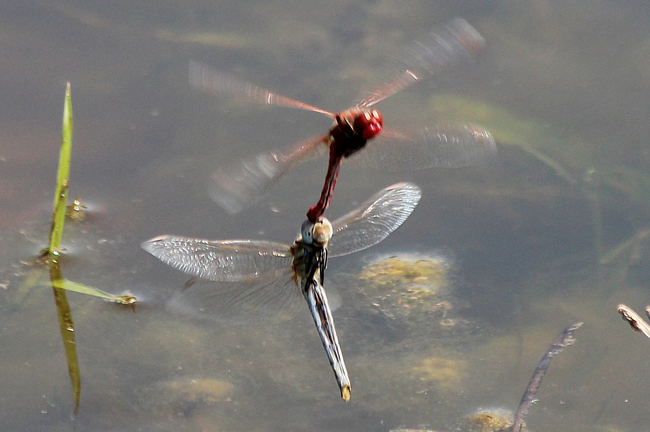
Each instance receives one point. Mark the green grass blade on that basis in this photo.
(68, 285)
(62, 178)
(58, 220)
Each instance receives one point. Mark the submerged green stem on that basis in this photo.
(67, 331)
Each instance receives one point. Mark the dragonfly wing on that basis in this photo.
(449, 44)
(239, 185)
(213, 81)
(374, 220)
(451, 146)
(221, 260)
(263, 300)
(320, 311)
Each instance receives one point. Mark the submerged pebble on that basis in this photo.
(490, 420)
(406, 283)
(414, 289)
(423, 274)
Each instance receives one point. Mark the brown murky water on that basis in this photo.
(524, 247)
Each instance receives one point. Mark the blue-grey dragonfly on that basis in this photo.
(263, 281)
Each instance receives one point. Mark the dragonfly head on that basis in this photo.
(368, 123)
(317, 233)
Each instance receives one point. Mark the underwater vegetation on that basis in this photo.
(500, 420)
(573, 160)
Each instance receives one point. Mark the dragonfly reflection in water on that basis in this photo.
(356, 130)
(262, 281)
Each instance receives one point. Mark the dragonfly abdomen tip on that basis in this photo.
(345, 393)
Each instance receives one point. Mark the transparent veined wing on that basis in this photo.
(374, 220)
(264, 300)
(452, 146)
(221, 260)
(448, 44)
(236, 186)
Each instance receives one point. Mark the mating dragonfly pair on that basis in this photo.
(262, 279)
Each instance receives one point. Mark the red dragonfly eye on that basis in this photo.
(368, 124)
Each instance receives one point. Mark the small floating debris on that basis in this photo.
(633, 318)
(76, 211)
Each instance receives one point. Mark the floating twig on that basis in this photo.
(563, 340)
(634, 319)
(76, 211)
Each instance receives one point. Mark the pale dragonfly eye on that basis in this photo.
(307, 232)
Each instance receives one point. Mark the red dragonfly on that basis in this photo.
(444, 146)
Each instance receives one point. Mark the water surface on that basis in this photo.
(562, 85)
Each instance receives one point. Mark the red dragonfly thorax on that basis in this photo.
(352, 130)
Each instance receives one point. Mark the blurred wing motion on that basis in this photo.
(449, 44)
(374, 220)
(244, 182)
(213, 81)
(452, 146)
(221, 260)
